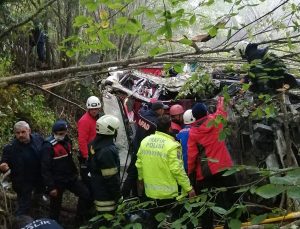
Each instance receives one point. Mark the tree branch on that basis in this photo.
(178, 57)
(57, 96)
(26, 20)
(250, 23)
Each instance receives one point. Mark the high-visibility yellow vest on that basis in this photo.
(160, 166)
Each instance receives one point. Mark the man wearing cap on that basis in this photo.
(59, 171)
(86, 133)
(146, 125)
(22, 157)
(208, 156)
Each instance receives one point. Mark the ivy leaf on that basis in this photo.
(185, 41)
(160, 216)
(209, 2)
(80, 21)
(269, 190)
(192, 19)
(155, 51)
(258, 219)
(294, 173)
(213, 31)
(219, 210)
(242, 190)
(246, 86)
(235, 224)
(122, 20)
(229, 172)
(294, 192)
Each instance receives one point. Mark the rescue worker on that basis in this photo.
(26, 222)
(146, 125)
(183, 135)
(104, 165)
(208, 156)
(267, 71)
(160, 167)
(86, 133)
(176, 112)
(60, 173)
(22, 156)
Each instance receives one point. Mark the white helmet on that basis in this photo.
(240, 48)
(107, 125)
(93, 102)
(188, 117)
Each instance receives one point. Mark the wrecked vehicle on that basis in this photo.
(258, 141)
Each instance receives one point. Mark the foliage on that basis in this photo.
(5, 66)
(200, 85)
(191, 211)
(21, 104)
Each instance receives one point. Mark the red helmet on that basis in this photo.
(176, 110)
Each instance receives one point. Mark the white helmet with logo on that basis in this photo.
(188, 117)
(240, 48)
(93, 102)
(107, 125)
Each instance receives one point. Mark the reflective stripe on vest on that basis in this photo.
(105, 206)
(109, 172)
(165, 188)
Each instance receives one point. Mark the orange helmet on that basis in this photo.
(176, 110)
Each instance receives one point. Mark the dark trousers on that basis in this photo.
(80, 190)
(130, 184)
(25, 196)
(224, 199)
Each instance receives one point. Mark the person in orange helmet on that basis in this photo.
(176, 112)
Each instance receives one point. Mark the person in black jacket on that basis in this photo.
(22, 156)
(267, 72)
(146, 125)
(60, 173)
(104, 165)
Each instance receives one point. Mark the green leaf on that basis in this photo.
(70, 53)
(160, 216)
(185, 41)
(137, 226)
(122, 20)
(213, 31)
(108, 216)
(209, 2)
(229, 172)
(229, 34)
(178, 68)
(155, 51)
(242, 190)
(246, 86)
(219, 210)
(234, 224)
(269, 190)
(192, 19)
(81, 20)
(294, 173)
(293, 192)
(168, 30)
(229, 1)
(258, 219)
(94, 219)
